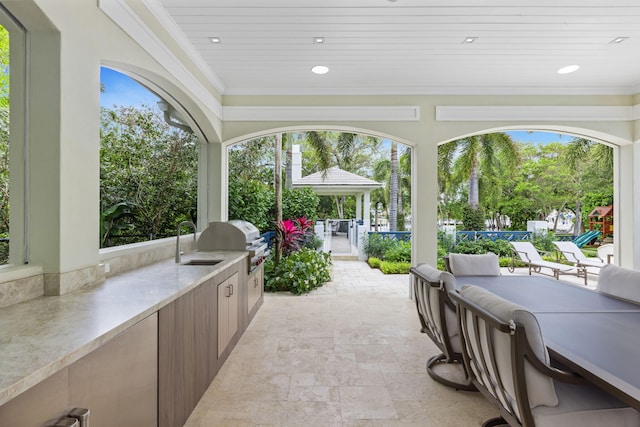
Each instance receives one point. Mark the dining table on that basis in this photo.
(594, 334)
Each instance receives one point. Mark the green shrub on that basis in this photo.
(390, 267)
(544, 241)
(375, 245)
(502, 248)
(374, 262)
(298, 273)
(300, 202)
(399, 250)
(473, 219)
(506, 262)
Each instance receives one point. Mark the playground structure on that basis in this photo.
(601, 219)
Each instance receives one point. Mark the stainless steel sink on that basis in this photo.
(202, 262)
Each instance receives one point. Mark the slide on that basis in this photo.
(586, 237)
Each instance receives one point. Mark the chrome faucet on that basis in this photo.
(183, 223)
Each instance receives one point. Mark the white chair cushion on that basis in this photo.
(540, 387)
(585, 406)
(620, 282)
(474, 265)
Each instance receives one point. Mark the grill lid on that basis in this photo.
(234, 235)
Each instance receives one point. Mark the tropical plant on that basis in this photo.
(393, 188)
(289, 237)
(150, 165)
(470, 158)
(252, 201)
(399, 251)
(375, 245)
(299, 272)
(299, 202)
(111, 221)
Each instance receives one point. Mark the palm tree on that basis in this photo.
(473, 156)
(393, 188)
(348, 151)
(277, 184)
(579, 150)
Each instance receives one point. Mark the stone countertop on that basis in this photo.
(42, 336)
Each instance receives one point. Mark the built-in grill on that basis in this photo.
(235, 235)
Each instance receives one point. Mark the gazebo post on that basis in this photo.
(366, 211)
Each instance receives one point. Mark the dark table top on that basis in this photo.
(542, 295)
(594, 334)
(603, 347)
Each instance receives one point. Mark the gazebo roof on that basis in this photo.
(337, 181)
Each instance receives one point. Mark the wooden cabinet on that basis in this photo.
(116, 382)
(255, 286)
(227, 311)
(193, 331)
(187, 353)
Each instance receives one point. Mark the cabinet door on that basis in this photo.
(177, 361)
(233, 305)
(223, 316)
(117, 382)
(227, 311)
(255, 289)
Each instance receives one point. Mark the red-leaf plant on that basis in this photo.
(291, 237)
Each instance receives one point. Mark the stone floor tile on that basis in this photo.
(349, 354)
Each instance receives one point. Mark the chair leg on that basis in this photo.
(441, 358)
(495, 422)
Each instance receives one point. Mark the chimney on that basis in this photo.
(296, 163)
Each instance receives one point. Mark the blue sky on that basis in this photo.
(122, 90)
(538, 137)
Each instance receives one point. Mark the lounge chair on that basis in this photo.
(574, 255)
(529, 255)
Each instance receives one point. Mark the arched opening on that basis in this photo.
(551, 185)
(148, 163)
(348, 170)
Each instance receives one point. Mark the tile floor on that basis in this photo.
(348, 354)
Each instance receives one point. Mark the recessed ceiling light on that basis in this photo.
(320, 69)
(568, 69)
(392, 1)
(468, 40)
(318, 40)
(214, 39)
(618, 40)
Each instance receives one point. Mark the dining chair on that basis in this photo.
(473, 264)
(619, 282)
(605, 252)
(438, 320)
(507, 360)
(530, 256)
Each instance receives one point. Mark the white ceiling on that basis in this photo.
(415, 46)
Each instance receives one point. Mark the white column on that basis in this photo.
(296, 164)
(358, 206)
(366, 212)
(626, 206)
(424, 176)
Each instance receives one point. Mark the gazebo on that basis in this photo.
(336, 182)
